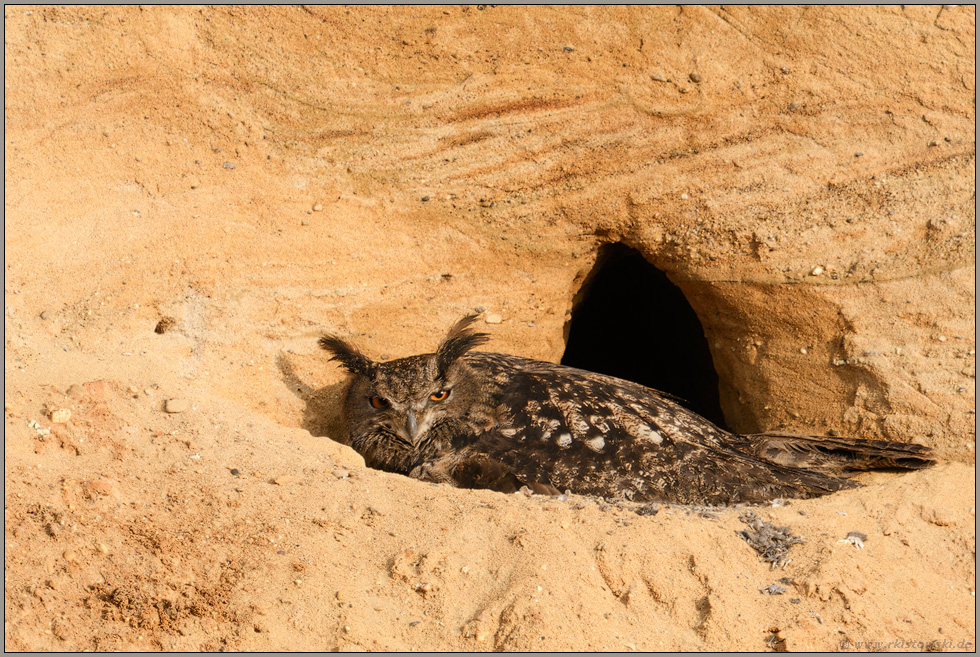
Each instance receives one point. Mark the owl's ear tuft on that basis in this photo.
(461, 338)
(347, 355)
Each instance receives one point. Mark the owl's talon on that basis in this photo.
(430, 471)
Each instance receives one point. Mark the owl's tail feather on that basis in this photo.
(835, 455)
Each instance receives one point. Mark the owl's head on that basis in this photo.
(396, 408)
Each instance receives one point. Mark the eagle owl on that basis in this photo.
(488, 420)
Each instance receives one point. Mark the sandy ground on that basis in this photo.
(192, 195)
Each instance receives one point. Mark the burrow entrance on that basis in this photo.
(631, 322)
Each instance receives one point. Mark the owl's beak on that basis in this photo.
(412, 425)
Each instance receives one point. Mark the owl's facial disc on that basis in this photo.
(410, 397)
(414, 423)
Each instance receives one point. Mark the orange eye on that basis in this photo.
(378, 402)
(442, 395)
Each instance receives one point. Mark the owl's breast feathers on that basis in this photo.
(562, 428)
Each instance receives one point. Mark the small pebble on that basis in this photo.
(60, 415)
(304, 223)
(176, 405)
(657, 77)
(493, 318)
(45, 314)
(285, 479)
(228, 165)
(340, 473)
(569, 49)
(235, 471)
(694, 77)
(102, 548)
(425, 199)
(817, 271)
(859, 154)
(318, 207)
(684, 197)
(794, 106)
(803, 350)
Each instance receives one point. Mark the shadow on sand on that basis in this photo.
(321, 416)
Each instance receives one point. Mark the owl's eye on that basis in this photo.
(378, 402)
(442, 395)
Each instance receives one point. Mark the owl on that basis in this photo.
(487, 420)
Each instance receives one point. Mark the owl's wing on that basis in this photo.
(598, 435)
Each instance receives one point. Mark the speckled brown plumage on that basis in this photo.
(487, 420)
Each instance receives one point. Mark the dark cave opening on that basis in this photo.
(631, 322)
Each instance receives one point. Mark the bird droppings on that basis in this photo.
(856, 539)
(771, 542)
(773, 589)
